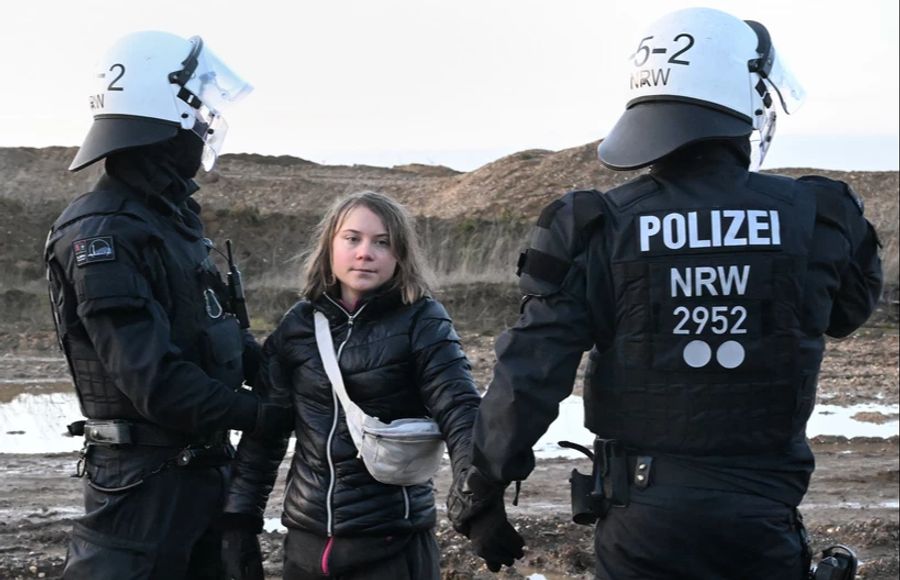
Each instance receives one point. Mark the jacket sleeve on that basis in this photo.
(861, 283)
(255, 468)
(840, 210)
(538, 357)
(444, 377)
(536, 364)
(130, 332)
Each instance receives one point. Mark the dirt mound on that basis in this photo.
(473, 224)
(513, 187)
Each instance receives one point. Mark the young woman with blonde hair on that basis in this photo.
(400, 357)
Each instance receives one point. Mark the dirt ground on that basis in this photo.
(853, 498)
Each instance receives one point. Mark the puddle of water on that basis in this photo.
(274, 525)
(826, 420)
(569, 426)
(35, 422)
(532, 574)
(836, 420)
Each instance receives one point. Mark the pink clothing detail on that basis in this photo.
(325, 554)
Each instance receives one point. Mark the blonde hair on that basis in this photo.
(410, 277)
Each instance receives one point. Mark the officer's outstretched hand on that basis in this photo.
(241, 555)
(475, 508)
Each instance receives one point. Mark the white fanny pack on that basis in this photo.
(402, 452)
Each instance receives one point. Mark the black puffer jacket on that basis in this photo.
(397, 361)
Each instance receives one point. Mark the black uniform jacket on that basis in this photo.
(139, 305)
(397, 361)
(645, 276)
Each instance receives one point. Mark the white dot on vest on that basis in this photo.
(730, 354)
(697, 353)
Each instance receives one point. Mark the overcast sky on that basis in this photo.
(454, 82)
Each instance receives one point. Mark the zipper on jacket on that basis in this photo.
(334, 422)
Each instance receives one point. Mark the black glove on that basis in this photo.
(241, 556)
(494, 539)
(272, 420)
(475, 508)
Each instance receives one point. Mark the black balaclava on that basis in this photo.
(165, 169)
(186, 150)
(712, 150)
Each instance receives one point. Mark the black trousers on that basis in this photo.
(671, 533)
(143, 525)
(416, 557)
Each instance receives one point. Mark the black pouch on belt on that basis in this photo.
(110, 432)
(585, 506)
(222, 347)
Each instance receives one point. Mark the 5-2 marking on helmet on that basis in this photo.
(99, 101)
(112, 85)
(653, 77)
(646, 51)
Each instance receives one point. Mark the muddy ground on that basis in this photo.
(853, 497)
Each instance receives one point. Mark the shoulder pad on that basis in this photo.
(87, 220)
(100, 202)
(556, 240)
(91, 203)
(777, 186)
(632, 192)
(833, 188)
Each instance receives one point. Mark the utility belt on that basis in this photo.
(212, 450)
(616, 470)
(123, 432)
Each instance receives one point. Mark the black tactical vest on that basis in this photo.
(169, 276)
(712, 354)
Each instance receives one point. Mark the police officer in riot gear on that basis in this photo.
(145, 321)
(703, 292)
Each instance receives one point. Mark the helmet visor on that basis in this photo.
(761, 139)
(212, 128)
(219, 86)
(789, 90)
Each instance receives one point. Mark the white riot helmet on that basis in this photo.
(699, 74)
(149, 86)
